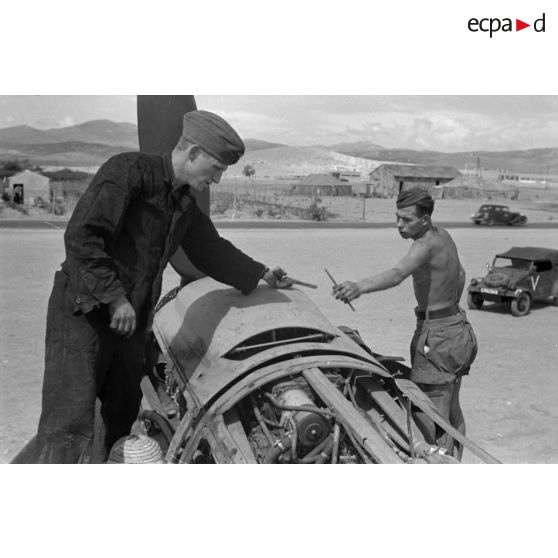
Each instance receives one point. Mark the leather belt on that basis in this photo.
(435, 314)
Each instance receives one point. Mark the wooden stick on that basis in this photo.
(335, 285)
(349, 416)
(297, 282)
(417, 397)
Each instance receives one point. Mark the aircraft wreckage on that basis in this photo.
(266, 378)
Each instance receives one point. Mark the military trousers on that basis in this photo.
(85, 360)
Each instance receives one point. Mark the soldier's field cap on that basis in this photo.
(214, 135)
(415, 196)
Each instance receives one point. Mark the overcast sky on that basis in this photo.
(442, 123)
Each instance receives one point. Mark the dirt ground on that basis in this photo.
(509, 399)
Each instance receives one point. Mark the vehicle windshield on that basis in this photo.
(514, 263)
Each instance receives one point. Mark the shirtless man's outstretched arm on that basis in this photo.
(438, 361)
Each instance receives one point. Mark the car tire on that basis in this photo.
(475, 301)
(521, 305)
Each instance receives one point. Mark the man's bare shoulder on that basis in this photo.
(435, 236)
(427, 241)
(445, 237)
(434, 242)
(422, 248)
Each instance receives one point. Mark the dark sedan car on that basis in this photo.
(492, 214)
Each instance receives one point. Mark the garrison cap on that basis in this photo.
(415, 196)
(214, 135)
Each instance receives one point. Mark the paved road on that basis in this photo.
(278, 224)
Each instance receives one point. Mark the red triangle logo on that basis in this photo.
(519, 25)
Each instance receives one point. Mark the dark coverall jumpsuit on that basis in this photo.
(121, 235)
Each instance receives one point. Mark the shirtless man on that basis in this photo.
(444, 344)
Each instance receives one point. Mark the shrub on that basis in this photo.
(67, 175)
(221, 202)
(19, 207)
(15, 165)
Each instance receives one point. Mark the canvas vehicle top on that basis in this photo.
(518, 276)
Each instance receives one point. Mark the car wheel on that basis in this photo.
(475, 301)
(521, 305)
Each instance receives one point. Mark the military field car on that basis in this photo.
(490, 214)
(517, 277)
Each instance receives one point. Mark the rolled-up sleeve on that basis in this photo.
(96, 221)
(219, 258)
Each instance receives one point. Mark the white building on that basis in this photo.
(26, 186)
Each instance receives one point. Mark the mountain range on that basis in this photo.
(91, 143)
(542, 160)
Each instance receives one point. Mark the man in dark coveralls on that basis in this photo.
(136, 212)
(444, 345)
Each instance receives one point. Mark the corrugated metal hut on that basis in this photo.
(388, 180)
(322, 185)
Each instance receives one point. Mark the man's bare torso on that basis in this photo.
(436, 282)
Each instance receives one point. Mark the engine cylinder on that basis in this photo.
(312, 428)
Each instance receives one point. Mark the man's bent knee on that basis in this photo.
(441, 396)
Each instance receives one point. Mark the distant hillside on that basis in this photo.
(88, 144)
(288, 161)
(256, 144)
(69, 153)
(356, 148)
(542, 161)
(91, 143)
(94, 132)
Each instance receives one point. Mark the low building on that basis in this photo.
(26, 186)
(523, 179)
(322, 185)
(464, 187)
(355, 179)
(388, 180)
(352, 177)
